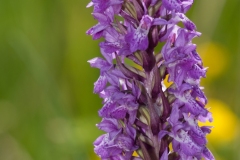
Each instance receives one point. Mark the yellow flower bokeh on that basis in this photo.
(215, 57)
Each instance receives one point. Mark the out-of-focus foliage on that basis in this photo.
(47, 108)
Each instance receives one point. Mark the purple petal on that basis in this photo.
(200, 140)
(125, 142)
(206, 129)
(106, 109)
(99, 63)
(187, 146)
(186, 22)
(197, 72)
(205, 118)
(119, 112)
(131, 131)
(194, 107)
(207, 154)
(138, 38)
(108, 125)
(99, 140)
(136, 90)
(165, 155)
(162, 133)
(112, 79)
(100, 84)
(100, 17)
(102, 5)
(172, 4)
(107, 56)
(110, 47)
(159, 21)
(97, 29)
(133, 115)
(174, 117)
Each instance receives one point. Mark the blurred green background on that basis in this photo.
(47, 107)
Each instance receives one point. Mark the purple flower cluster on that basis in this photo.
(139, 113)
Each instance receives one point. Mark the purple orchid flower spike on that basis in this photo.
(141, 117)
